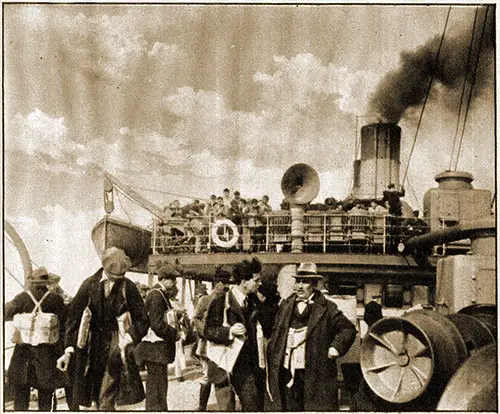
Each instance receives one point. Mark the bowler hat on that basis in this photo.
(115, 261)
(307, 270)
(39, 275)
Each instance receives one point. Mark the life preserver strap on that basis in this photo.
(225, 233)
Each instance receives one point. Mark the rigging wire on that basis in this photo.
(14, 277)
(469, 56)
(471, 88)
(431, 80)
(414, 194)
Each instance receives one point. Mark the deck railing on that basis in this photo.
(326, 232)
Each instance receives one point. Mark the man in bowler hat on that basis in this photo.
(309, 333)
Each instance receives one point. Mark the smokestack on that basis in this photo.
(407, 86)
(379, 163)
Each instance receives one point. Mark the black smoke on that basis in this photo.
(407, 86)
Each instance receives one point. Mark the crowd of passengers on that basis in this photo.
(249, 215)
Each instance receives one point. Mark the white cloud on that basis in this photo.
(39, 133)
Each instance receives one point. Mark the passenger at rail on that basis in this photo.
(237, 197)
(377, 208)
(358, 210)
(391, 195)
(415, 226)
(230, 316)
(115, 305)
(256, 225)
(264, 206)
(209, 208)
(220, 210)
(193, 209)
(173, 210)
(34, 364)
(157, 348)
(226, 197)
(309, 333)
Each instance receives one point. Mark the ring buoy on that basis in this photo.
(225, 233)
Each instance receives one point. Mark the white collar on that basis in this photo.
(238, 295)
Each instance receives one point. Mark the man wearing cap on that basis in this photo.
(35, 366)
(108, 294)
(240, 324)
(157, 348)
(310, 332)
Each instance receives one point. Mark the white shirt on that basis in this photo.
(108, 284)
(239, 296)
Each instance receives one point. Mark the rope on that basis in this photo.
(168, 193)
(471, 88)
(123, 208)
(426, 96)
(469, 55)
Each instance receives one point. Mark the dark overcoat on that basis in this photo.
(327, 326)
(92, 361)
(161, 352)
(247, 362)
(36, 365)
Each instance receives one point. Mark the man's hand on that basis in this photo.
(238, 329)
(333, 353)
(63, 362)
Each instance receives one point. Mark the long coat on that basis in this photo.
(93, 360)
(327, 326)
(161, 352)
(247, 362)
(40, 360)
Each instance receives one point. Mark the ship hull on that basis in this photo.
(134, 240)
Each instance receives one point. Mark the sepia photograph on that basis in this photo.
(249, 207)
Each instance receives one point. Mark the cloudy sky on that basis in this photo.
(184, 100)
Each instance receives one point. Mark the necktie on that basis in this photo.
(107, 288)
(302, 304)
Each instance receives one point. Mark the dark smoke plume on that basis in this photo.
(407, 86)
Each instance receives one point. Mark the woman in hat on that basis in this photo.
(35, 366)
(108, 294)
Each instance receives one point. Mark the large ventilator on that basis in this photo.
(300, 185)
(407, 361)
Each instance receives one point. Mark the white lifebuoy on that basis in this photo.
(228, 240)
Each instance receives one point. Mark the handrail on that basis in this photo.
(326, 231)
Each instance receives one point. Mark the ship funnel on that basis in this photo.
(300, 184)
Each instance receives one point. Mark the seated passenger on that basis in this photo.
(358, 210)
(377, 208)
